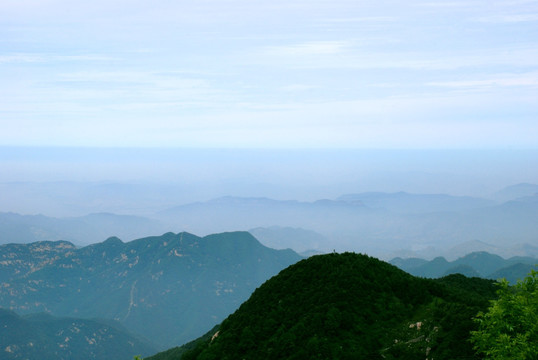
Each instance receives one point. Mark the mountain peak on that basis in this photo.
(347, 306)
(113, 240)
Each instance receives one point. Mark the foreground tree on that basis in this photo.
(509, 329)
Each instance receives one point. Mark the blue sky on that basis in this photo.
(269, 74)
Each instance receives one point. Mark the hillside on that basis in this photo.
(479, 263)
(348, 306)
(44, 337)
(169, 289)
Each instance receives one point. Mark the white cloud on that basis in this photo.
(512, 18)
(362, 19)
(341, 55)
(499, 80)
(298, 87)
(321, 72)
(50, 58)
(447, 4)
(311, 48)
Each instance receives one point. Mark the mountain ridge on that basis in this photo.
(137, 282)
(481, 263)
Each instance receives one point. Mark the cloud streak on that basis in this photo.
(502, 80)
(240, 73)
(339, 54)
(49, 58)
(513, 18)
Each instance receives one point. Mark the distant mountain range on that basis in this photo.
(381, 224)
(510, 250)
(246, 213)
(480, 264)
(83, 230)
(514, 192)
(168, 289)
(44, 337)
(347, 306)
(402, 202)
(376, 223)
(300, 240)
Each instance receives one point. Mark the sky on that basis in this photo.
(355, 74)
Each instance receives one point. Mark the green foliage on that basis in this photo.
(350, 306)
(509, 328)
(191, 347)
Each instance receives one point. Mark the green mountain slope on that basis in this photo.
(513, 273)
(169, 289)
(348, 306)
(45, 337)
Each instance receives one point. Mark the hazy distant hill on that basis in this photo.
(513, 273)
(44, 337)
(381, 224)
(247, 213)
(506, 251)
(78, 198)
(467, 247)
(402, 202)
(376, 223)
(516, 191)
(168, 288)
(348, 306)
(300, 240)
(15, 228)
(480, 264)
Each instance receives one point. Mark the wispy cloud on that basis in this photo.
(502, 80)
(48, 58)
(361, 19)
(512, 18)
(446, 4)
(297, 87)
(307, 49)
(102, 67)
(342, 55)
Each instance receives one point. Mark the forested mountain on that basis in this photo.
(44, 337)
(348, 306)
(480, 264)
(170, 288)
